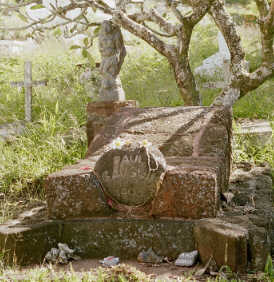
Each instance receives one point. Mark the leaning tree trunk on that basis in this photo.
(186, 82)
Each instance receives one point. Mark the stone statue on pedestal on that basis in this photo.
(113, 52)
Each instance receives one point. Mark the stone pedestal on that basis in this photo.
(98, 113)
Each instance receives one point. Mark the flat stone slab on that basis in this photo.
(96, 238)
(258, 132)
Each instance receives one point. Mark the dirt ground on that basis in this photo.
(164, 271)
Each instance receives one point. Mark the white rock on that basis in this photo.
(187, 259)
(110, 261)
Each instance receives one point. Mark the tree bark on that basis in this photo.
(186, 82)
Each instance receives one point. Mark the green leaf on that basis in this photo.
(57, 32)
(269, 267)
(22, 17)
(36, 7)
(96, 30)
(75, 47)
(85, 41)
(87, 55)
(84, 53)
(56, 108)
(73, 28)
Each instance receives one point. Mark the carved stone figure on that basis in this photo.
(113, 52)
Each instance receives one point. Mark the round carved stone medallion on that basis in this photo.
(131, 175)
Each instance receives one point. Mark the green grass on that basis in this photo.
(56, 137)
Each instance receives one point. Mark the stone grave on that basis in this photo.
(152, 178)
(217, 66)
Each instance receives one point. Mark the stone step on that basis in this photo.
(239, 236)
(96, 238)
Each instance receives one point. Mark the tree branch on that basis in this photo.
(224, 22)
(157, 32)
(267, 29)
(163, 23)
(256, 78)
(18, 6)
(141, 31)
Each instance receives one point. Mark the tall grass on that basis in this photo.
(55, 138)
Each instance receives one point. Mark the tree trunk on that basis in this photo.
(186, 82)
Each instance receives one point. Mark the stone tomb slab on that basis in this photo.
(177, 132)
(194, 142)
(255, 132)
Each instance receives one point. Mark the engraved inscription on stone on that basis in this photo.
(131, 175)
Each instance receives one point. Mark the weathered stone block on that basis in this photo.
(190, 189)
(98, 112)
(195, 141)
(225, 242)
(75, 192)
(252, 195)
(258, 238)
